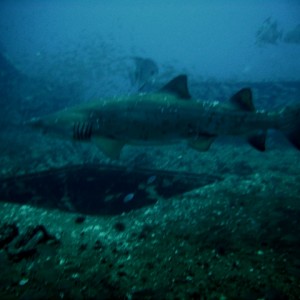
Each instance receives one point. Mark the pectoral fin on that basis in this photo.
(111, 148)
(202, 143)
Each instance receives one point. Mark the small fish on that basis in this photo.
(128, 197)
(151, 179)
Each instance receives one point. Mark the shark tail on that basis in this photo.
(290, 124)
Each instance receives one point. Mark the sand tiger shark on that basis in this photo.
(169, 116)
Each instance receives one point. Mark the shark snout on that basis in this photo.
(37, 123)
(34, 122)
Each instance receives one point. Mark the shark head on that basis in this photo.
(38, 124)
(52, 125)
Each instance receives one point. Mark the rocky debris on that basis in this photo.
(19, 246)
(120, 226)
(7, 233)
(80, 219)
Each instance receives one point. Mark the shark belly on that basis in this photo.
(148, 127)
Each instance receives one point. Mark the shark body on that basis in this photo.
(168, 116)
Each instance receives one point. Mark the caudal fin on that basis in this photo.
(290, 125)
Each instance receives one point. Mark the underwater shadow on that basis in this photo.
(100, 189)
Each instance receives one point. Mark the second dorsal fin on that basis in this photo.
(178, 87)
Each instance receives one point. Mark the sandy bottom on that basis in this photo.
(234, 238)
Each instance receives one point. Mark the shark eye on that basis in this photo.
(82, 131)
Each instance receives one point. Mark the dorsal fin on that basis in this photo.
(178, 87)
(243, 100)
